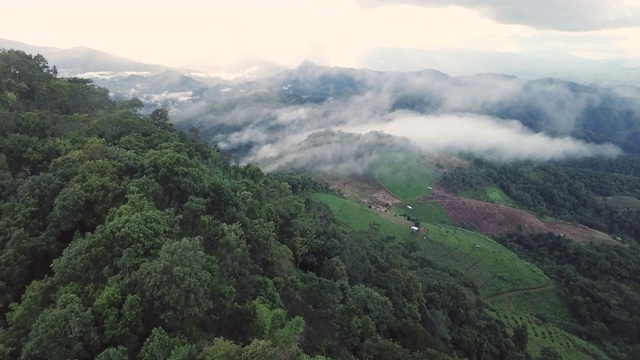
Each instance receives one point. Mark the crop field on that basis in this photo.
(406, 178)
(428, 212)
(359, 217)
(492, 267)
(545, 334)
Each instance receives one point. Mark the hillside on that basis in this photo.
(156, 85)
(122, 237)
(153, 244)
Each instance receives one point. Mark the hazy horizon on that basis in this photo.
(213, 35)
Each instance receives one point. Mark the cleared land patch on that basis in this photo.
(494, 219)
(361, 189)
(424, 211)
(360, 217)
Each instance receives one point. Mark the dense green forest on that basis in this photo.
(121, 237)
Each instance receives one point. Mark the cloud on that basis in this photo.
(565, 15)
(505, 140)
(353, 147)
(275, 126)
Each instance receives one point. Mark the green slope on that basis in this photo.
(518, 290)
(493, 268)
(423, 211)
(406, 177)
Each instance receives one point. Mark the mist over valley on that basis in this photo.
(504, 117)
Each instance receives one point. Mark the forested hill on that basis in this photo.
(121, 237)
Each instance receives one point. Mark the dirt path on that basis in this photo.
(546, 286)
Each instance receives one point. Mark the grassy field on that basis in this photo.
(359, 217)
(427, 212)
(406, 178)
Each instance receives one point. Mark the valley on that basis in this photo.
(318, 213)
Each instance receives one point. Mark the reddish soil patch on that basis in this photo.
(494, 219)
(363, 190)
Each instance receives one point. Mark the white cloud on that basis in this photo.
(211, 34)
(565, 15)
(481, 134)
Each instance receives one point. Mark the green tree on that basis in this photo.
(222, 349)
(159, 345)
(136, 229)
(178, 285)
(549, 353)
(520, 337)
(119, 353)
(63, 332)
(160, 117)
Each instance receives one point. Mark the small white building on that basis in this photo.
(409, 207)
(414, 229)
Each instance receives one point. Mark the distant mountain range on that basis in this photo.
(156, 85)
(258, 117)
(609, 72)
(263, 118)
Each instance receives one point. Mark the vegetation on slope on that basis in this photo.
(121, 237)
(519, 293)
(595, 280)
(599, 283)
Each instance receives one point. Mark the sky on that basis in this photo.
(200, 34)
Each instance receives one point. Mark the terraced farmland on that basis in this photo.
(426, 211)
(359, 217)
(492, 267)
(545, 334)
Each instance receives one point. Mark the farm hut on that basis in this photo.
(409, 207)
(414, 229)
